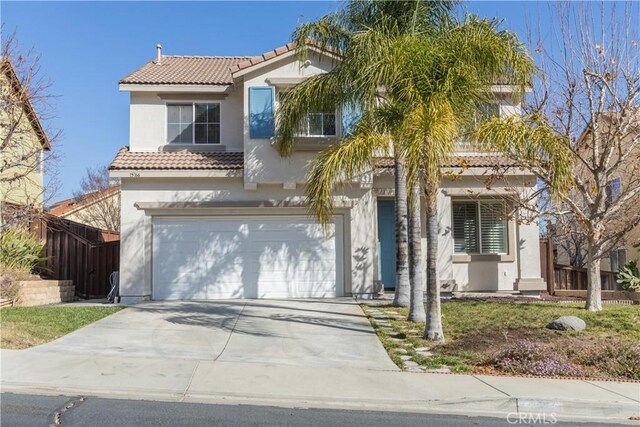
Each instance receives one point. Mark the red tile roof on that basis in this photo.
(199, 70)
(179, 160)
(193, 70)
(66, 206)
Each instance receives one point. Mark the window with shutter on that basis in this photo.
(493, 228)
(479, 227)
(465, 227)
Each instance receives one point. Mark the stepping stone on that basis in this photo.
(423, 349)
(410, 364)
(419, 369)
(398, 340)
(442, 370)
(424, 353)
(405, 357)
(400, 351)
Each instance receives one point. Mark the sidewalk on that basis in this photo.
(215, 381)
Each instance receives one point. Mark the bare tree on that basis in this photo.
(587, 107)
(99, 196)
(26, 141)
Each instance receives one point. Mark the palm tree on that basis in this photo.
(346, 31)
(416, 306)
(433, 80)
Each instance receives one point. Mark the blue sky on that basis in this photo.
(86, 47)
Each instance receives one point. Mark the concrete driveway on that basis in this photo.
(310, 333)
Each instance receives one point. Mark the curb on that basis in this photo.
(510, 408)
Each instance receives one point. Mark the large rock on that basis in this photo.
(567, 323)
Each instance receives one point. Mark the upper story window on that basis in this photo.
(479, 227)
(193, 123)
(613, 191)
(318, 124)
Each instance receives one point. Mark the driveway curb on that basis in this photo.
(511, 408)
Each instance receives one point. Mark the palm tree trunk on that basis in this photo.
(416, 309)
(594, 282)
(433, 326)
(401, 297)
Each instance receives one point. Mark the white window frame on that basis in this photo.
(336, 118)
(477, 204)
(193, 121)
(322, 115)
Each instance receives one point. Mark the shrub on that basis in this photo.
(620, 360)
(9, 283)
(19, 250)
(526, 357)
(629, 275)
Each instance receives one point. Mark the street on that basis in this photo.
(34, 410)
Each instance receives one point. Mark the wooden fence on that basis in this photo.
(566, 277)
(79, 253)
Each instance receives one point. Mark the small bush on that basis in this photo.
(19, 250)
(526, 357)
(620, 360)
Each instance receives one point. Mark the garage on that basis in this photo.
(246, 257)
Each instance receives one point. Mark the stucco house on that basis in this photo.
(209, 209)
(98, 209)
(571, 247)
(22, 146)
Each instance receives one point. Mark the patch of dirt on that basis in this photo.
(492, 340)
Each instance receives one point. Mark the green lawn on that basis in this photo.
(22, 327)
(480, 333)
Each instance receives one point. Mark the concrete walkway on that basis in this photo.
(315, 353)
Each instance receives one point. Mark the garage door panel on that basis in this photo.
(246, 257)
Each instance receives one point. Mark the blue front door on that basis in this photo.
(387, 243)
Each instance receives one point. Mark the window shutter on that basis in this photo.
(351, 115)
(465, 227)
(493, 225)
(261, 120)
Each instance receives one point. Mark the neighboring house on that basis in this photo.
(99, 209)
(211, 210)
(566, 248)
(22, 145)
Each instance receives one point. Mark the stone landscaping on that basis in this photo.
(403, 353)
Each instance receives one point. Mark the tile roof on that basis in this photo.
(178, 160)
(469, 161)
(191, 70)
(249, 62)
(64, 207)
(200, 70)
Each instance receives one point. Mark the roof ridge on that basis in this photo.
(211, 56)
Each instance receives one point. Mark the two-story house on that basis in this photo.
(211, 210)
(23, 142)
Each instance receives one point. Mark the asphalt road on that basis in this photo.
(33, 410)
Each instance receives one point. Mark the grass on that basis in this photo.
(476, 331)
(23, 327)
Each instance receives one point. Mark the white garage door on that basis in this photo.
(246, 257)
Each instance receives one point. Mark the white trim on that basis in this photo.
(167, 103)
(176, 173)
(123, 87)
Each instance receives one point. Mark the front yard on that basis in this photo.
(512, 338)
(22, 327)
